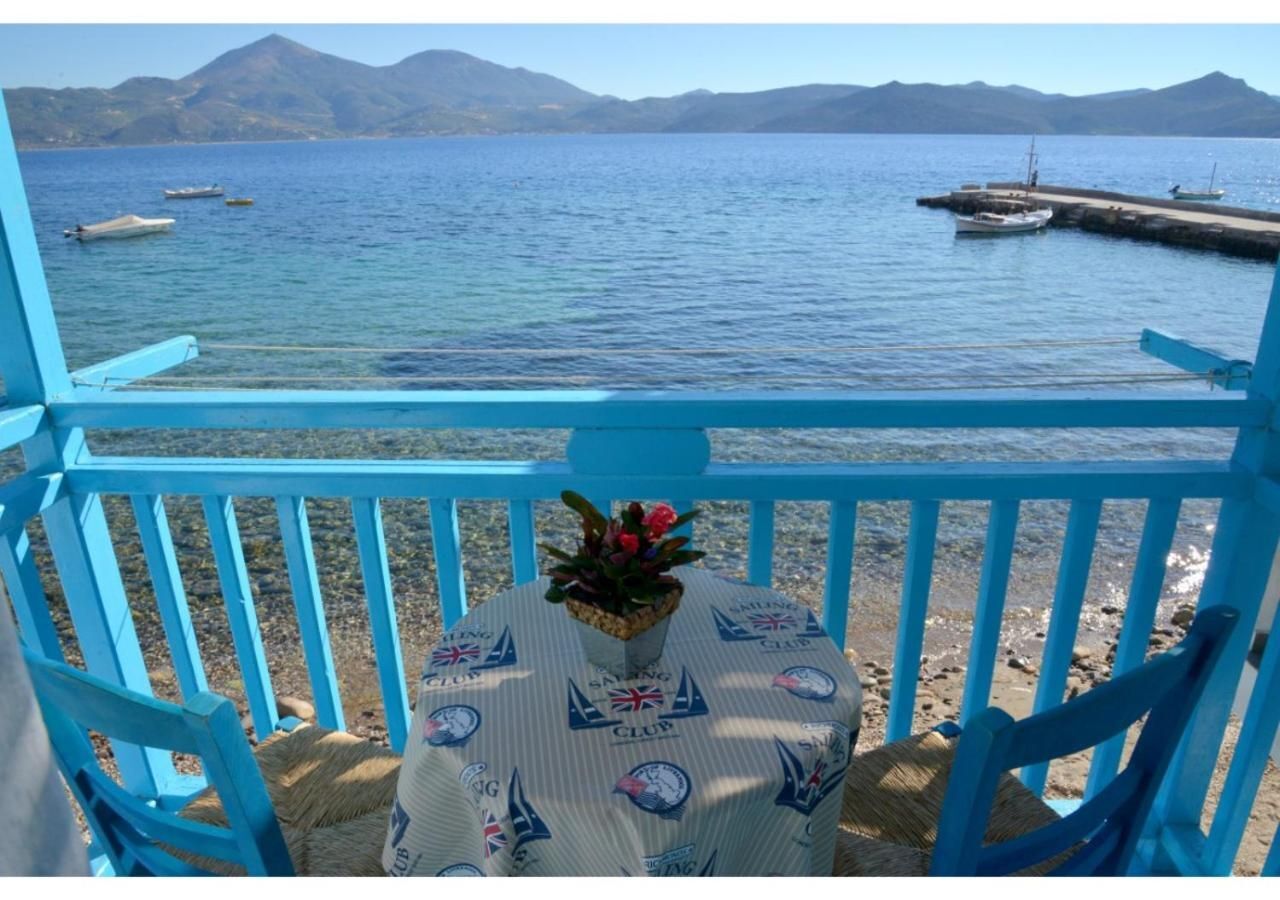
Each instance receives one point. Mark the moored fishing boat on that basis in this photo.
(190, 193)
(993, 223)
(1012, 223)
(239, 201)
(122, 227)
(1209, 193)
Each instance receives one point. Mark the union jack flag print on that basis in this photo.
(772, 621)
(458, 653)
(494, 839)
(634, 699)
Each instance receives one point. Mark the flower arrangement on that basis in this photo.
(621, 566)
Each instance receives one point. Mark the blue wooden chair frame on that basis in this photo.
(1110, 823)
(129, 827)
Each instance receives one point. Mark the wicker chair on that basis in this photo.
(932, 805)
(309, 801)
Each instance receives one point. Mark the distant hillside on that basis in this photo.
(277, 89)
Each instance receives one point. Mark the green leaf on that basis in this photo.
(583, 507)
(556, 552)
(687, 517)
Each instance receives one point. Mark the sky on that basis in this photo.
(633, 61)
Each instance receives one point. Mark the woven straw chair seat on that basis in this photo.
(893, 800)
(332, 794)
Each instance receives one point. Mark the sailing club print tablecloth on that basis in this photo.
(727, 757)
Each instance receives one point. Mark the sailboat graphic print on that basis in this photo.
(525, 822)
(502, 654)
(583, 713)
(689, 701)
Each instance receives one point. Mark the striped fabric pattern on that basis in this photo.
(725, 758)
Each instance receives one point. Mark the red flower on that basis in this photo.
(629, 542)
(659, 520)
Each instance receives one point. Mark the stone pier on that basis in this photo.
(1206, 226)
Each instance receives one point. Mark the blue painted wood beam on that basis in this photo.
(448, 554)
(688, 410)
(1271, 868)
(835, 594)
(1267, 493)
(1218, 369)
(1068, 598)
(372, 545)
(722, 481)
(1253, 747)
(524, 554)
(1145, 587)
(139, 364)
(300, 559)
(916, 581)
(246, 636)
(760, 544)
(171, 596)
(992, 587)
(35, 370)
(30, 606)
(26, 496)
(19, 423)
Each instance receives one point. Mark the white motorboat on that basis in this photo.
(994, 223)
(123, 227)
(1209, 193)
(190, 193)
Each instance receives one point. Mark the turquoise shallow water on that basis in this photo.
(644, 242)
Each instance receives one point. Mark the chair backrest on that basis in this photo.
(134, 831)
(1165, 689)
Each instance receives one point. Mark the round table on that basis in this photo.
(726, 758)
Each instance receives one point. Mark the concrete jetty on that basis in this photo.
(1207, 226)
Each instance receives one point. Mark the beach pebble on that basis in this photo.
(885, 692)
(1110, 610)
(941, 676)
(294, 706)
(880, 670)
(851, 655)
(1080, 653)
(868, 683)
(1183, 616)
(885, 679)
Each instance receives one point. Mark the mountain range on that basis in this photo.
(277, 89)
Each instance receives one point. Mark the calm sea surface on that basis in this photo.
(778, 248)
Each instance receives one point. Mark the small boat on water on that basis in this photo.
(190, 193)
(239, 201)
(994, 223)
(1011, 223)
(1209, 193)
(123, 227)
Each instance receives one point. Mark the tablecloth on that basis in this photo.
(725, 758)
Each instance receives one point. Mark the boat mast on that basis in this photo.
(1031, 159)
(1212, 176)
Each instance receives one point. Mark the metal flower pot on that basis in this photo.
(624, 647)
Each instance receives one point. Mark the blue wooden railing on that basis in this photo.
(624, 445)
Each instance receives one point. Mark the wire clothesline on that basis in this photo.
(192, 384)
(665, 351)
(122, 380)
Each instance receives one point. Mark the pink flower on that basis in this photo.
(659, 520)
(629, 542)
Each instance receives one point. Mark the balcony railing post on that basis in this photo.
(1239, 563)
(35, 371)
